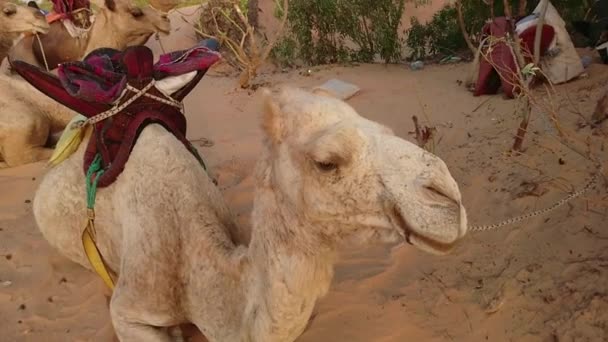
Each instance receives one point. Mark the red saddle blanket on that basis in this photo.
(62, 9)
(108, 79)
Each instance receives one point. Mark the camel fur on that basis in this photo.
(326, 177)
(16, 20)
(28, 118)
(117, 24)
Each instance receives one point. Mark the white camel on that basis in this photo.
(326, 177)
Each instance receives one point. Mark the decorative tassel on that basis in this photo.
(89, 235)
(70, 140)
(92, 252)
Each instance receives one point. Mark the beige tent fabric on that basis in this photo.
(567, 64)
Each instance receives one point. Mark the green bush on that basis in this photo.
(285, 52)
(442, 35)
(335, 31)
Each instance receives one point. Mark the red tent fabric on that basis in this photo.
(500, 66)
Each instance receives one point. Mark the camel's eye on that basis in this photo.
(9, 10)
(136, 12)
(326, 166)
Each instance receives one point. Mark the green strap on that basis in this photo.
(91, 182)
(95, 171)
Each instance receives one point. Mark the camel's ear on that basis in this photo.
(110, 4)
(97, 3)
(272, 121)
(164, 5)
(323, 92)
(335, 146)
(50, 85)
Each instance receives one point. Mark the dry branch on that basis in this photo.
(230, 26)
(523, 6)
(423, 135)
(463, 28)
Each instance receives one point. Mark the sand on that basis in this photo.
(545, 279)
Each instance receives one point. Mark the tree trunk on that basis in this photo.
(252, 13)
(523, 8)
(539, 30)
(463, 28)
(507, 6)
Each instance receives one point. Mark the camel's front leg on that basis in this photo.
(146, 298)
(129, 320)
(24, 143)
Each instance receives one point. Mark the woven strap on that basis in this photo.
(119, 108)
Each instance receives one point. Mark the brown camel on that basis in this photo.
(117, 24)
(16, 20)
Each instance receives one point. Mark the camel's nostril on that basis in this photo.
(438, 195)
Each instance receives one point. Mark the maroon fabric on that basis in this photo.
(102, 75)
(501, 62)
(66, 7)
(527, 39)
(50, 85)
(94, 85)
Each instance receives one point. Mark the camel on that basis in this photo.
(117, 24)
(27, 119)
(327, 177)
(16, 20)
(25, 128)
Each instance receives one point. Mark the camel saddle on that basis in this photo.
(77, 11)
(118, 92)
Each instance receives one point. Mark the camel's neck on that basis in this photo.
(5, 46)
(58, 115)
(7, 40)
(290, 269)
(103, 34)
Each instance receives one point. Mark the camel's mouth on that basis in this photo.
(31, 28)
(164, 31)
(41, 29)
(414, 238)
(164, 28)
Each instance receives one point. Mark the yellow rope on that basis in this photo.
(92, 252)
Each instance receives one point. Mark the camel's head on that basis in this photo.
(21, 19)
(353, 178)
(136, 24)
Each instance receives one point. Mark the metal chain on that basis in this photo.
(554, 206)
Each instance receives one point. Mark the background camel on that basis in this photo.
(327, 177)
(117, 24)
(27, 119)
(16, 20)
